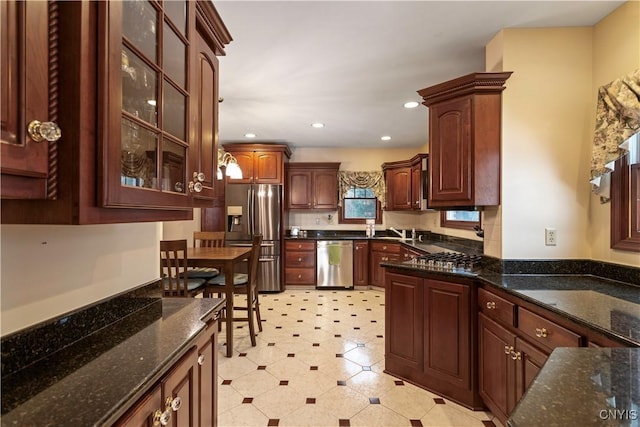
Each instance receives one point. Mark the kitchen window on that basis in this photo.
(465, 220)
(358, 205)
(625, 199)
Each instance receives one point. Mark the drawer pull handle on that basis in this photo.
(508, 349)
(516, 355)
(491, 305)
(541, 332)
(299, 246)
(299, 276)
(299, 259)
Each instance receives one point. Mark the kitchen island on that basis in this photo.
(497, 330)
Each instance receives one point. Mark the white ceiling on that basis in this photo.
(353, 64)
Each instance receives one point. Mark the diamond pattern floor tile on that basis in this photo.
(319, 361)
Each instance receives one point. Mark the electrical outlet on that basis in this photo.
(550, 238)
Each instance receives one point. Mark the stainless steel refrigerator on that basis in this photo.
(255, 209)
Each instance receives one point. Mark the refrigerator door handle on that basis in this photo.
(251, 209)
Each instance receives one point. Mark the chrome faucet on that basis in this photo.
(402, 234)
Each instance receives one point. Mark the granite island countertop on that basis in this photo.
(94, 381)
(583, 387)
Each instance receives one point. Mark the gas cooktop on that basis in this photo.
(447, 261)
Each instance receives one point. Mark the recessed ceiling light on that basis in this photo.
(317, 125)
(411, 104)
(386, 138)
(249, 135)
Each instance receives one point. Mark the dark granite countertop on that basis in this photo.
(583, 387)
(427, 242)
(95, 380)
(608, 306)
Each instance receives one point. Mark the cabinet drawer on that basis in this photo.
(496, 307)
(300, 276)
(306, 245)
(545, 332)
(300, 259)
(393, 248)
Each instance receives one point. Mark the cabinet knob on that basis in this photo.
(195, 187)
(516, 355)
(299, 259)
(508, 349)
(41, 131)
(299, 246)
(491, 305)
(201, 359)
(199, 176)
(384, 248)
(299, 276)
(161, 418)
(541, 332)
(176, 403)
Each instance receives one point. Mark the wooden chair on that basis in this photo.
(246, 284)
(206, 239)
(173, 270)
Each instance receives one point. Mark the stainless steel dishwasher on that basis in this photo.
(334, 264)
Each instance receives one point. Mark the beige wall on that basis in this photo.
(50, 270)
(616, 52)
(545, 142)
(548, 121)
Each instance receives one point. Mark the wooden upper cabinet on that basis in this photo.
(404, 183)
(260, 163)
(158, 135)
(312, 186)
(28, 93)
(416, 186)
(399, 188)
(138, 82)
(464, 140)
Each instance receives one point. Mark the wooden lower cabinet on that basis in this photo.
(360, 263)
(430, 335)
(514, 342)
(404, 323)
(186, 394)
(381, 252)
(447, 334)
(496, 375)
(208, 376)
(141, 415)
(300, 262)
(529, 361)
(507, 366)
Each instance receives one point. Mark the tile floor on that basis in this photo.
(319, 362)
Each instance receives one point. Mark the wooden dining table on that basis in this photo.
(224, 258)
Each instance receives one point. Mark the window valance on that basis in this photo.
(373, 180)
(617, 119)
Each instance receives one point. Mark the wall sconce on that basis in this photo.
(232, 169)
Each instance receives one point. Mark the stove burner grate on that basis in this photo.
(448, 261)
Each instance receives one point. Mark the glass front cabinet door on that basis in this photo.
(150, 135)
